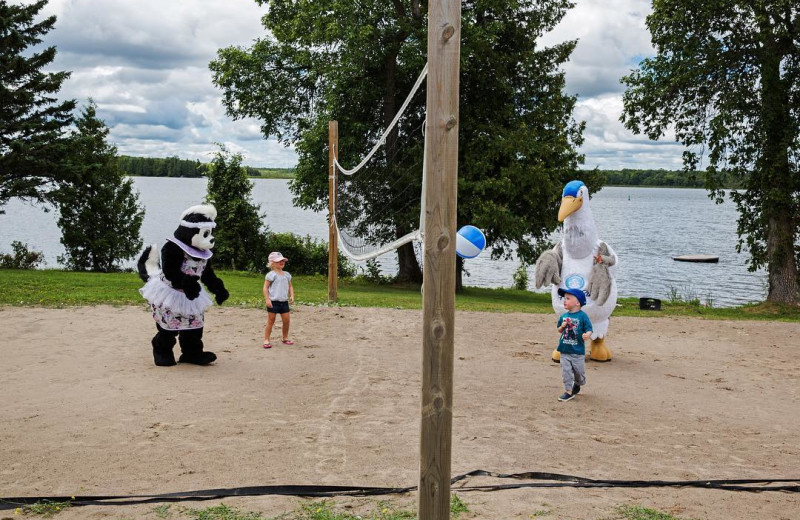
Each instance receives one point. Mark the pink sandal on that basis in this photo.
(267, 345)
(287, 342)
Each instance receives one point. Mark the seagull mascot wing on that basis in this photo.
(581, 261)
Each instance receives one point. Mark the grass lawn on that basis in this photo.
(57, 288)
(275, 173)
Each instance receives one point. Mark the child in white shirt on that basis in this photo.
(278, 293)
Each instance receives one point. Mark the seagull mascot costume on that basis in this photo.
(581, 261)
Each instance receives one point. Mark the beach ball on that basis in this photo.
(470, 241)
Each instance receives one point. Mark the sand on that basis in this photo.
(85, 411)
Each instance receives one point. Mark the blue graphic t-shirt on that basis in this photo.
(571, 341)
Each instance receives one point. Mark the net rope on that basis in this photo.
(355, 247)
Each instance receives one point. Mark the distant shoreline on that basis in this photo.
(628, 177)
(289, 176)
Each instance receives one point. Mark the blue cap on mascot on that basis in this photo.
(572, 188)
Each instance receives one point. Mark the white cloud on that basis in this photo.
(608, 145)
(612, 39)
(145, 63)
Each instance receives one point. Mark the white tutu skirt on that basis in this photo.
(172, 310)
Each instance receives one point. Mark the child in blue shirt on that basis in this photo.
(575, 328)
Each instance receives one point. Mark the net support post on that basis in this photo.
(444, 34)
(333, 236)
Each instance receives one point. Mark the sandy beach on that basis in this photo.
(85, 411)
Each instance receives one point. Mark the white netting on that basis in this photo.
(350, 241)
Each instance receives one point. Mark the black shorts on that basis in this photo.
(278, 307)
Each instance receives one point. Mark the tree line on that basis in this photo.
(176, 167)
(663, 178)
(158, 167)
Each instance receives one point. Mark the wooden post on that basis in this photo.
(333, 237)
(444, 34)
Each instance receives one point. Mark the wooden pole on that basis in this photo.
(333, 237)
(444, 34)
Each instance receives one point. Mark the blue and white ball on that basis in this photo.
(470, 241)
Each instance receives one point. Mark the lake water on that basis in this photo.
(647, 227)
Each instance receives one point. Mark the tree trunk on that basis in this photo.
(783, 287)
(776, 185)
(459, 274)
(408, 268)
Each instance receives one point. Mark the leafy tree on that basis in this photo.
(32, 121)
(240, 236)
(726, 78)
(100, 215)
(356, 61)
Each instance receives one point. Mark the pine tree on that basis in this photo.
(32, 121)
(240, 236)
(100, 215)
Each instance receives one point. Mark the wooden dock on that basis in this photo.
(707, 259)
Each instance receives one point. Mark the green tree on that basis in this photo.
(100, 216)
(32, 121)
(240, 235)
(726, 79)
(356, 62)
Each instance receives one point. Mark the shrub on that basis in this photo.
(22, 258)
(306, 255)
(521, 277)
(372, 273)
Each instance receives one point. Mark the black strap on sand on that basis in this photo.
(559, 480)
(539, 480)
(208, 494)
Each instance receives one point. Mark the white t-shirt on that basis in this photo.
(278, 286)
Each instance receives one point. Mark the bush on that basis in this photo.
(23, 258)
(521, 277)
(373, 275)
(306, 255)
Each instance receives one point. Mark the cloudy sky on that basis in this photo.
(145, 63)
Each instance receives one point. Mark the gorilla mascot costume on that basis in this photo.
(173, 289)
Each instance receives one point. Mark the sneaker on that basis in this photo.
(576, 389)
(566, 397)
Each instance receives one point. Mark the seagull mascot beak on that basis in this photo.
(569, 205)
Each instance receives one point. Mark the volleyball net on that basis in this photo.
(365, 235)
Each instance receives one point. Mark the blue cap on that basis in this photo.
(572, 188)
(580, 295)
